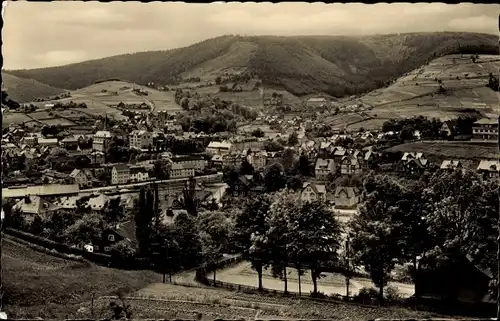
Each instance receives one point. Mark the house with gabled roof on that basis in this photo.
(350, 165)
(80, 177)
(311, 192)
(101, 140)
(124, 231)
(120, 174)
(220, 148)
(138, 174)
(450, 164)
(323, 168)
(490, 168)
(32, 206)
(412, 155)
(346, 197)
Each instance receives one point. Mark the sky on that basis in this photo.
(44, 34)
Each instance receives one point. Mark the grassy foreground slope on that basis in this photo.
(36, 283)
(25, 90)
(41, 285)
(333, 64)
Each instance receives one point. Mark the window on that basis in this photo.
(111, 238)
(107, 249)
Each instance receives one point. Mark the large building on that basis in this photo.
(101, 140)
(120, 174)
(485, 129)
(140, 139)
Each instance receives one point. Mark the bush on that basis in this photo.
(392, 294)
(367, 295)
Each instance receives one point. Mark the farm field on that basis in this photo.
(100, 103)
(223, 302)
(14, 118)
(452, 150)
(40, 285)
(416, 93)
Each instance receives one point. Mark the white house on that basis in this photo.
(311, 192)
(140, 139)
(138, 174)
(120, 174)
(101, 140)
(316, 102)
(48, 142)
(489, 167)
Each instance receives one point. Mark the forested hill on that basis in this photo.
(300, 64)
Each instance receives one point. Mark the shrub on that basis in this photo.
(392, 294)
(367, 295)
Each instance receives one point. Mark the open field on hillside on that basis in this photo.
(452, 150)
(34, 281)
(416, 93)
(14, 118)
(24, 89)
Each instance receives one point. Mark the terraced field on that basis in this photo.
(416, 93)
(451, 150)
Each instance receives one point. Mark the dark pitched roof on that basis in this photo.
(127, 231)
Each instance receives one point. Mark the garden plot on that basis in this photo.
(14, 118)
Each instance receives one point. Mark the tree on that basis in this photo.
(218, 80)
(304, 166)
(274, 179)
(144, 218)
(113, 210)
(214, 228)
(462, 212)
(86, 230)
(258, 133)
(161, 169)
(287, 158)
(188, 239)
(166, 250)
(372, 230)
(250, 223)
(293, 139)
(305, 233)
(246, 168)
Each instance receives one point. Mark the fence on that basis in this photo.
(253, 290)
(201, 272)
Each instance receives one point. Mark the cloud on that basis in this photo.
(40, 34)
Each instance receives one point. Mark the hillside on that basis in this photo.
(418, 93)
(38, 284)
(25, 90)
(337, 65)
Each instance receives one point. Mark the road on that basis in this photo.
(334, 285)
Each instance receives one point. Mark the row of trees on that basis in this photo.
(428, 128)
(430, 224)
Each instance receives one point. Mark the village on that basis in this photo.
(51, 169)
